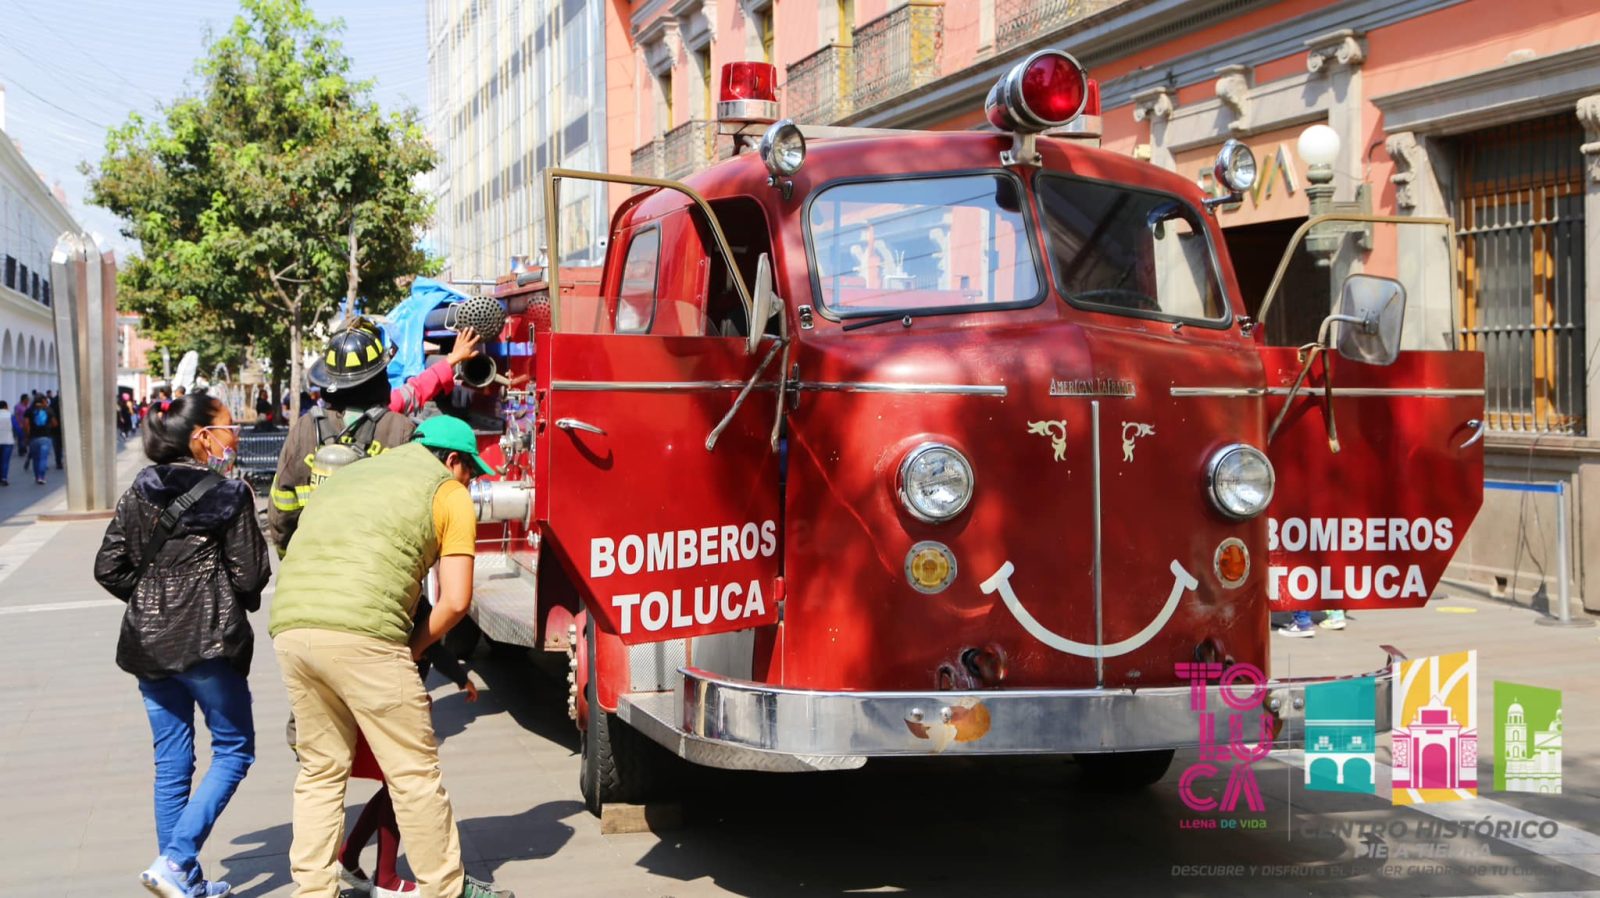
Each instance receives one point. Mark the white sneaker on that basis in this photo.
(1294, 632)
(355, 879)
(410, 888)
(163, 878)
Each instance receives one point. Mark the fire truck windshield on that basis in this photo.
(926, 245)
(1136, 252)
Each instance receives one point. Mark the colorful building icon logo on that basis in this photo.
(1435, 729)
(1528, 752)
(1341, 731)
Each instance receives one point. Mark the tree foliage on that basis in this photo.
(250, 199)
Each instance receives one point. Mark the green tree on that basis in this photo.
(265, 201)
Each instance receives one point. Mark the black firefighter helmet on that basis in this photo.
(355, 355)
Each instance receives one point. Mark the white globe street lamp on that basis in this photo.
(1319, 149)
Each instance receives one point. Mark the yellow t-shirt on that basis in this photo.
(454, 519)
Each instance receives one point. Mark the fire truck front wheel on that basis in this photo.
(1124, 771)
(618, 763)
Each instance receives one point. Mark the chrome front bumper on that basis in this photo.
(736, 724)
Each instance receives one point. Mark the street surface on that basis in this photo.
(75, 774)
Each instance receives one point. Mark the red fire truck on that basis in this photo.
(873, 443)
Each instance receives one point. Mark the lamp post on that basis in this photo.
(1319, 149)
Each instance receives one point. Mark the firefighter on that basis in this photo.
(360, 416)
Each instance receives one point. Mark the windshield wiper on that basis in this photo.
(902, 317)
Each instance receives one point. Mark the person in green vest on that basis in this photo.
(341, 626)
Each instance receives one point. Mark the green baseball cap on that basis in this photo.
(454, 434)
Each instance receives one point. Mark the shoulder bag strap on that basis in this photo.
(168, 521)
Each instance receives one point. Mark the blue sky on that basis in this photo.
(73, 69)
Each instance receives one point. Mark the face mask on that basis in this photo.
(222, 465)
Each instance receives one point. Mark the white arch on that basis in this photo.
(5, 367)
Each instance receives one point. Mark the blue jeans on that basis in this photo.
(1302, 619)
(39, 452)
(182, 820)
(5, 460)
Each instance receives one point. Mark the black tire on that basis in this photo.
(1125, 771)
(617, 763)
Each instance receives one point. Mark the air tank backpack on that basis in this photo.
(336, 449)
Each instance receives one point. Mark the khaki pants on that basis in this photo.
(340, 681)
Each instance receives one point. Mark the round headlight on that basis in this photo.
(1241, 481)
(935, 482)
(783, 148)
(1236, 167)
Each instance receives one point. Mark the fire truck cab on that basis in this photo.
(872, 444)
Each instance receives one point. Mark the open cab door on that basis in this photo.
(1375, 417)
(656, 473)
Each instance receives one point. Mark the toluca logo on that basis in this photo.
(1246, 719)
(682, 604)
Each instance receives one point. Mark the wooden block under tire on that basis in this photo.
(616, 819)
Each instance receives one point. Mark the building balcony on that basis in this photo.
(647, 160)
(1020, 21)
(688, 148)
(817, 89)
(898, 52)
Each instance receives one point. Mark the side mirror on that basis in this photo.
(1372, 313)
(762, 300)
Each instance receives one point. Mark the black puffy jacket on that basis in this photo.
(191, 603)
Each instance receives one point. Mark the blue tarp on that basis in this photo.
(405, 327)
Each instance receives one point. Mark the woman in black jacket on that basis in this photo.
(185, 552)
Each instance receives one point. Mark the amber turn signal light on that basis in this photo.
(1232, 562)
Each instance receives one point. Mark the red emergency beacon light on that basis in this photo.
(1047, 90)
(749, 92)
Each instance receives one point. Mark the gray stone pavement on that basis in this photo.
(75, 781)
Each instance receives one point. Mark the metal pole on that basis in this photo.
(1564, 573)
(1561, 551)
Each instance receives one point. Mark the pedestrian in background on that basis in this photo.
(185, 553)
(54, 402)
(8, 442)
(125, 415)
(37, 423)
